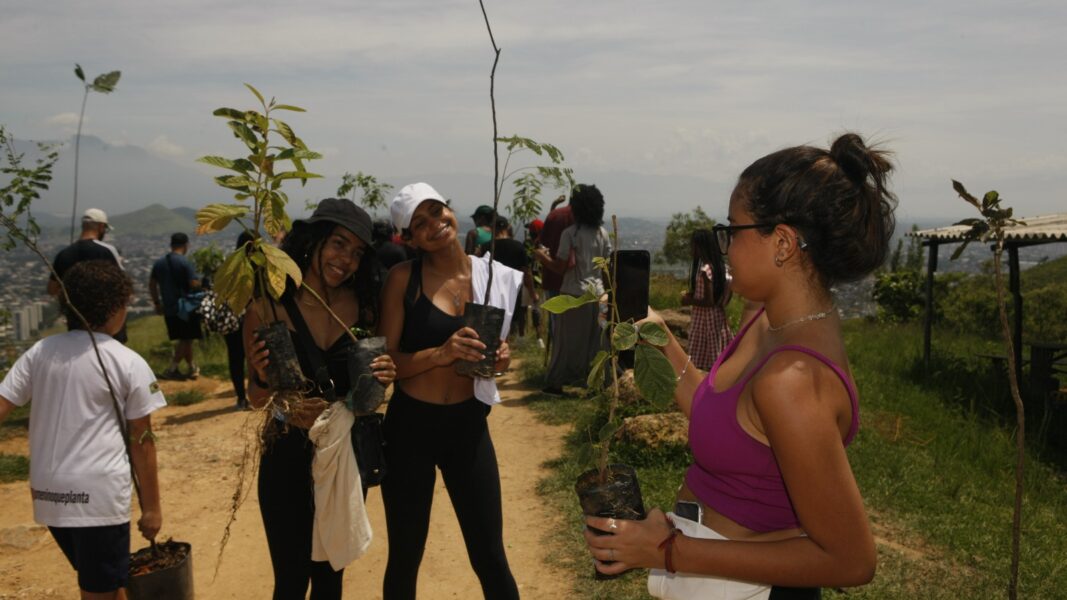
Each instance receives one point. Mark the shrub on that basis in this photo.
(899, 295)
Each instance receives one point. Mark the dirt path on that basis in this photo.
(199, 449)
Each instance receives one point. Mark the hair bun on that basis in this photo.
(851, 154)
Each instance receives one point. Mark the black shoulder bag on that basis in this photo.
(368, 438)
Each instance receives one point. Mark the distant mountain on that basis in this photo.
(153, 220)
(120, 179)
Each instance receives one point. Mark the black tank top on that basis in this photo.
(425, 325)
(335, 357)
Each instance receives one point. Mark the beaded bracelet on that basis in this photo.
(685, 367)
(667, 545)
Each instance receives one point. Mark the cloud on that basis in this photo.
(162, 146)
(65, 120)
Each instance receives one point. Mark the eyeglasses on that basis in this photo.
(723, 233)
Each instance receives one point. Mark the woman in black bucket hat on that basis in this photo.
(333, 250)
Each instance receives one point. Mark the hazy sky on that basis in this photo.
(971, 90)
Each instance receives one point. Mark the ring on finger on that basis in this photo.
(613, 524)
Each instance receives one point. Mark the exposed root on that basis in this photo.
(259, 430)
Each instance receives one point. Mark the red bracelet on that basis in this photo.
(667, 545)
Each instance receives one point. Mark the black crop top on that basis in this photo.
(425, 325)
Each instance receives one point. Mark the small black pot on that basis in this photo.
(283, 370)
(171, 583)
(366, 393)
(488, 321)
(617, 495)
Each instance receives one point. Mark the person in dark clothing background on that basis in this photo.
(512, 253)
(388, 252)
(172, 277)
(90, 246)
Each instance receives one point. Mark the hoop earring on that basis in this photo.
(778, 261)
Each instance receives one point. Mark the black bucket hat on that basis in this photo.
(342, 212)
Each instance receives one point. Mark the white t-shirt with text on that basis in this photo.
(79, 471)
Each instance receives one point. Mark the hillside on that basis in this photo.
(152, 220)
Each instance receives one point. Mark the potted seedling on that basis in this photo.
(165, 567)
(488, 320)
(258, 266)
(366, 393)
(612, 490)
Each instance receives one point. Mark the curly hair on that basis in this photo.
(301, 245)
(587, 204)
(836, 199)
(97, 289)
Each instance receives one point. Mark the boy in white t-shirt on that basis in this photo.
(79, 472)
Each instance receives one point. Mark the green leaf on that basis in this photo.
(275, 219)
(297, 153)
(624, 336)
(229, 113)
(285, 131)
(289, 107)
(234, 281)
(105, 84)
(653, 333)
(654, 376)
(585, 454)
(607, 432)
(962, 191)
(301, 175)
(217, 161)
(215, 217)
(235, 182)
(256, 92)
(245, 134)
(280, 263)
(595, 380)
(78, 71)
(563, 302)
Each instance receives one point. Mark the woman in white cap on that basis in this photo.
(333, 250)
(436, 417)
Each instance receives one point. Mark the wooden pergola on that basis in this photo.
(1046, 229)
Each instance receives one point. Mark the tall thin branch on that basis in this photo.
(496, 151)
(77, 148)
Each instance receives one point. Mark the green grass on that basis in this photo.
(148, 337)
(16, 424)
(934, 460)
(187, 397)
(14, 467)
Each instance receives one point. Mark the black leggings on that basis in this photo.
(235, 353)
(287, 503)
(420, 437)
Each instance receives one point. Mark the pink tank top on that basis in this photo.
(732, 472)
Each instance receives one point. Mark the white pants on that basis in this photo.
(684, 586)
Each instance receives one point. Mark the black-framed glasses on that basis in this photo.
(723, 233)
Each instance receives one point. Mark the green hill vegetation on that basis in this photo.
(154, 220)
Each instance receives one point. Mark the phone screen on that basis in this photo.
(632, 268)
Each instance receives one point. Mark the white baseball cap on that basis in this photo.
(95, 215)
(408, 199)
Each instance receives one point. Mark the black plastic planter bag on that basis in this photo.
(366, 393)
(488, 321)
(283, 370)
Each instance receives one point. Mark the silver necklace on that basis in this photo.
(812, 317)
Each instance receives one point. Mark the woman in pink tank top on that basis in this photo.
(770, 422)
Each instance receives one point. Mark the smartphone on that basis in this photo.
(689, 510)
(632, 269)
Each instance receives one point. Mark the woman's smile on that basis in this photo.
(442, 231)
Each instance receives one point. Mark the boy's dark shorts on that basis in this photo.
(180, 329)
(100, 555)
